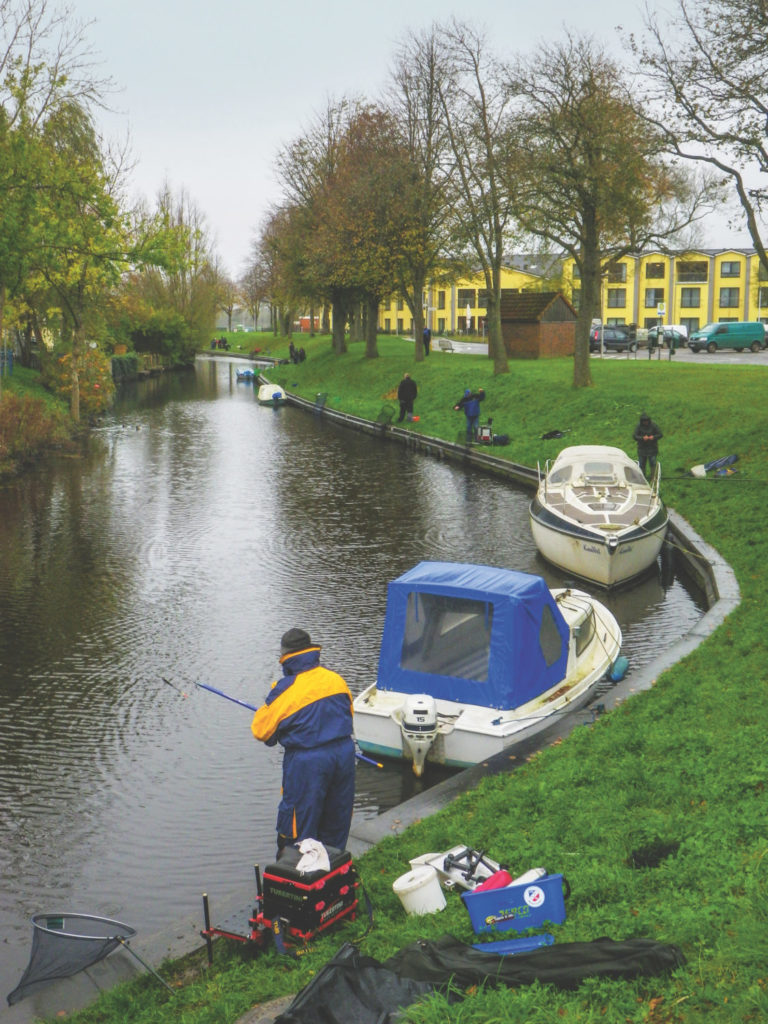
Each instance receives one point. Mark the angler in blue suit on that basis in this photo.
(309, 713)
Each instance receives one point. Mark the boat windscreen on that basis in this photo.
(447, 636)
(633, 475)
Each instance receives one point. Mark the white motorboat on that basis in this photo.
(476, 659)
(271, 394)
(596, 516)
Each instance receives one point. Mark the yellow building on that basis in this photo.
(689, 288)
(459, 308)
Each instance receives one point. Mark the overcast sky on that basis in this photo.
(210, 90)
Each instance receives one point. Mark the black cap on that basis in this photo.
(645, 418)
(295, 640)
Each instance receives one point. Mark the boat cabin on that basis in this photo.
(473, 634)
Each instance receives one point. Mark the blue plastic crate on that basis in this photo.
(518, 907)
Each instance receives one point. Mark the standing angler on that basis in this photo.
(309, 713)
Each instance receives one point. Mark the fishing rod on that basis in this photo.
(252, 707)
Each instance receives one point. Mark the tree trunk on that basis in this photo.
(589, 308)
(339, 321)
(325, 325)
(312, 320)
(416, 308)
(356, 323)
(496, 349)
(372, 312)
(74, 400)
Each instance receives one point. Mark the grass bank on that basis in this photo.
(679, 769)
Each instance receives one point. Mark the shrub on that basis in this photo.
(26, 426)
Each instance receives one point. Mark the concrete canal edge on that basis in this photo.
(710, 572)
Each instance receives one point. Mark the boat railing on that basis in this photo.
(656, 482)
(543, 477)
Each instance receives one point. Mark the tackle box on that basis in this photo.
(518, 907)
(312, 900)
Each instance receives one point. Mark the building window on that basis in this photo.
(762, 273)
(388, 304)
(617, 298)
(653, 296)
(387, 325)
(399, 325)
(730, 268)
(482, 298)
(400, 305)
(617, 273)
(690, 298)
(441, 300)
(762, 297)
(441, 325)
(692, 271)
(466, 297)
(654, 270)
(691, 322)
(613, 321)
(729, 298)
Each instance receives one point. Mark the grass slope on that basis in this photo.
(679, 769)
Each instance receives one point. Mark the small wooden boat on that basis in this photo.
(248, 375)
(596, 516)
(271, 394)
(475, 660)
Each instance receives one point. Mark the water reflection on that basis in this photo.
(198, 528)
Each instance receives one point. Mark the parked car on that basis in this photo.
(729, 334)
(669, 334)
(614, 340)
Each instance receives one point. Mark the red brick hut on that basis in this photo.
(538, 325)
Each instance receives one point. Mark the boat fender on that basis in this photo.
(619, 669)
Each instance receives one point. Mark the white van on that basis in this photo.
(675, 332)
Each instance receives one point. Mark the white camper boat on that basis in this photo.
(596, 516)
(475, 660)
(271, 394)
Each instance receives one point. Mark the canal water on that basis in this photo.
(196, 530)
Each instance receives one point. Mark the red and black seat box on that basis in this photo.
(311, 899)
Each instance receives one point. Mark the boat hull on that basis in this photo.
(608, 561)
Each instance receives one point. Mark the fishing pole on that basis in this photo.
(252, 707)
(174, 686)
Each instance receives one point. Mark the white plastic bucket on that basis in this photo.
(420, 891)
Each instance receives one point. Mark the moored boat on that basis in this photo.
(476, 659)
(245, 375)
(271, 394)
(596, 516)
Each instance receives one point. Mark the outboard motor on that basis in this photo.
(419, 727)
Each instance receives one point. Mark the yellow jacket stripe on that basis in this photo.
(308, 687)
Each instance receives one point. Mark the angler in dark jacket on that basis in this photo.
(309, 713)
(406, 396)
(470, 403)
(647, 434)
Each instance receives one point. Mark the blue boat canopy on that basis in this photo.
(473, 634)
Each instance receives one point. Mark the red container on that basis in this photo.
(495, 881)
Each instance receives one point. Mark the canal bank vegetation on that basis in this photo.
(655, 812)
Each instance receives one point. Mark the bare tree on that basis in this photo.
(421, 85)
(706, 75)
(477, 114)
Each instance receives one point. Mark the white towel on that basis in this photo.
(315, 857)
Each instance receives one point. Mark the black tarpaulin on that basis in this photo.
(564, 964)
(356, 989)
(63, 945)
(353, 989)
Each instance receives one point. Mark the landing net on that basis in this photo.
(63, 945)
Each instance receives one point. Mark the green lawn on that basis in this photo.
(683, 765)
